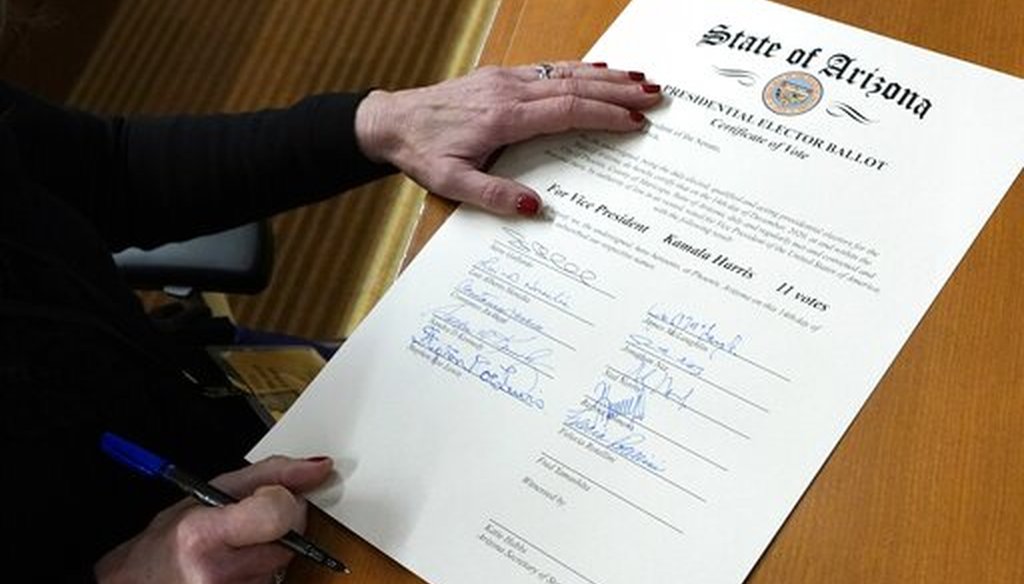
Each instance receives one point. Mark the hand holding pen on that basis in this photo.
(231, 542)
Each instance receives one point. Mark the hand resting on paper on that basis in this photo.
(98, 184)
(442, 135)
(230, 545)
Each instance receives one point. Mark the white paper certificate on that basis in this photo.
(640, 389)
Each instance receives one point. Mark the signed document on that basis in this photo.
(640, 387)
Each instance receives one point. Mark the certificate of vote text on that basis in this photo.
(639, 387)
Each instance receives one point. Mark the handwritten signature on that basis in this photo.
(521, 348)
(629, 445)
(654, 380)
(648, 346)
(593, 420)
(631, 407)
(553, 258)
(703, 329)
(519, 384)
(492, 305)
(538, 288)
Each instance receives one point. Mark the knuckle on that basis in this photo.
(275, 493)
(497, 119)
(502, 88)
(282, 505)
(490, 195)
(569, 105)
(286, 494)
(439, 178)
(189, 539)
(491, 74)
(572, 86)
(275, 459)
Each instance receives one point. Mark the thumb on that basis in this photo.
(299, 475)
(494, 193)
(263, 517)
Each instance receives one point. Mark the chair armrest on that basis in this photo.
(238, 260)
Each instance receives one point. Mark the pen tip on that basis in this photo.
(335, 565)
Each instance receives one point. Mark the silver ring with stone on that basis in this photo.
(544, 70)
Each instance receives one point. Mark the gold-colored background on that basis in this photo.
(334, 259)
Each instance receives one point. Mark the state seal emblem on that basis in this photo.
(792, 93)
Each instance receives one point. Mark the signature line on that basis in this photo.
(724, 390)
(591, 403)
(469, 302)
(688, 407)
(502, 350)
(613, 493)
(647, 470)
(544, 553)
(481, 274)
(746, 360)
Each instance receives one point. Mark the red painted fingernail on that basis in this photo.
(651, 87)
(637, 117)
(527, 205)
(636, 76)
(317, 458)
(600, 65)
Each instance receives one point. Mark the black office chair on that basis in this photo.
(236, 261)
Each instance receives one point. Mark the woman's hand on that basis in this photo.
(187, 543)
(441, 135)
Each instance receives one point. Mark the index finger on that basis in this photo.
(577, 70)
(554, 115)
(298, 475)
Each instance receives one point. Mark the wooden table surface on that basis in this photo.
(928, 483)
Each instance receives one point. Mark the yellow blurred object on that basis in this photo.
(275, 375)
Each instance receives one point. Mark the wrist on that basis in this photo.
(372, 126)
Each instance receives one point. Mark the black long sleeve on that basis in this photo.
(146, 181)
(77, 355)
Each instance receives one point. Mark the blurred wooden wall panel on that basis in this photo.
(336, 258)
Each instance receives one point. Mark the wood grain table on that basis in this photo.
(928, 483)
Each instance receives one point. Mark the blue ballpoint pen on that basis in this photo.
(149, 464)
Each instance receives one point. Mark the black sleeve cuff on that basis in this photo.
(335, 149)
